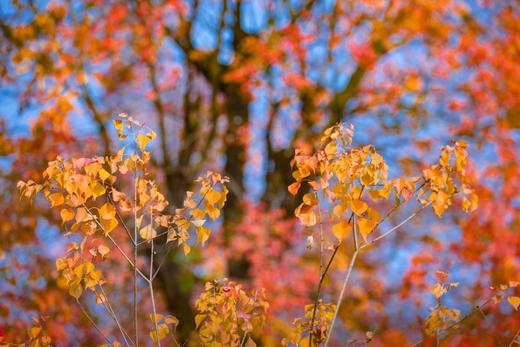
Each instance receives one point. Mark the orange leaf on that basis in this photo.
(293, 188)
(514, 301)
(358, 207)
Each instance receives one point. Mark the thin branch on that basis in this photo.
(322, 278)
(93, 323)
(136, 328)
(354, 256)
(150, 283)
(514, 340)
(321, 238)
(121, 218)
(126, 257)
(112, 313)
(385, 234)
(320, 284)
(115, 243)
(342, 292)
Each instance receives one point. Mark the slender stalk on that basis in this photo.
(320, 285)
(114, 242)
(342, 292)
(514, 339)
(112, 313)
(127, 258)
(321, 238)
(385, 234)
(150, 283)
(121, 218)
(354, 257)
(243, 340)
(136, 327)
(93, 323)
(322, 275)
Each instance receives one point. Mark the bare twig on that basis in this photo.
(93, 323)
(354, 257)
(150, 283)
(342, 292)
(112, 313)
(514, 339)
(114, 242)
(136, 327)
(385, 234)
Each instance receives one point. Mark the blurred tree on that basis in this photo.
(236, 85)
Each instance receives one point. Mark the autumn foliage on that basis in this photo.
(259, 173)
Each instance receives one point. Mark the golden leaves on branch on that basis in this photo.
(441, 318)
(36, 334)
(340, 175)
(83, 192)
(299, 334)
(206, 203)
(349, 181)
(503, 290)
(226, 312)
(448, 178)
(165, 325)
(76, 275)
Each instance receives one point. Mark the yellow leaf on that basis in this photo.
(98, 190)
(75, 290)
(34, 332)
(107, 211)
(365, 226)
(142, 141)
(108, 224)
(103, 174)
(203, 235)
(293, 188)
(366, 179)
(171, 320)
(514, 301)
(310, 199)
(138, 221)
(331, 150)
(213, 212)
(118, 124)
(212, 196)
(162, 332)
(306, 214)
(103, 250)
(147, 232)
(341, 230)
(151, 134)
(438, 290)
(373, 215)
(358, 207)
(470, 205)
(250, 343)
(198, 319)
(197, 214)
(440, 203)
(66, 214)
(374, 194)
(56, 199)
(189, 202)
(158, 317)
